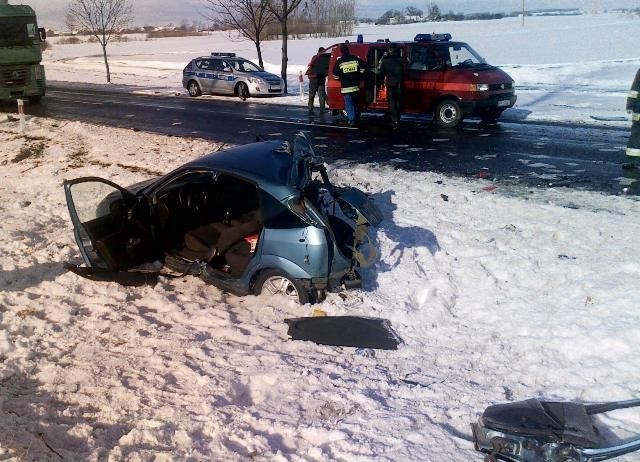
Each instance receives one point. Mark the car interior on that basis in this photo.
(209, 218)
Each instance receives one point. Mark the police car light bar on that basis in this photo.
(224, 55)
(432, 37)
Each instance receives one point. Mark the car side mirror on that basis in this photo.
(43, 33)
(228, 69)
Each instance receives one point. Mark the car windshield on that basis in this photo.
(462, 55)
(242, 65)
(17, 31)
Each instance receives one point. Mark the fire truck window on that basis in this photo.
(438, 59)
(419, 58)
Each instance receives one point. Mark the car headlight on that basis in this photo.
(480, 87)
(255, 80)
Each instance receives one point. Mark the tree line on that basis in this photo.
(254, 20)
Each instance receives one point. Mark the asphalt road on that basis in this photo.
(514, 154)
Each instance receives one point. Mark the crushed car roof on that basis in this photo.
(266, 163)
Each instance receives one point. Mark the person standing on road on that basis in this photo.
(349, 70)
(317, 72)
(392, 68)
(633, 107)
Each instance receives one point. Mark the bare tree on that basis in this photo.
(101, 18)
(282, 9)
(248, 17)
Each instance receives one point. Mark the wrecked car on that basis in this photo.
(536, 430)
(262, 217)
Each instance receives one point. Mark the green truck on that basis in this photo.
(21, 74)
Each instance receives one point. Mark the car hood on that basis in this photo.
(263, 75)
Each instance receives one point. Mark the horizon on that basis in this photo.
(162, 12)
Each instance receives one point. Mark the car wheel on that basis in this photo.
(275, 282)
(448, 113)
(193, 88)
(243, 91)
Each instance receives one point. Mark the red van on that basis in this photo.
(443, 78)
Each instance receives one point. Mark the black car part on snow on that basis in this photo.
(349, 331)
(547, 431)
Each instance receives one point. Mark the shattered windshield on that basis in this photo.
(17, 31)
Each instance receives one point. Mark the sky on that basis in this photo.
(499, 293)
(51, 12)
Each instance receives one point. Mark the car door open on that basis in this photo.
(111, 225)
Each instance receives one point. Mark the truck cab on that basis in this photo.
(443, 78)
(21, 74)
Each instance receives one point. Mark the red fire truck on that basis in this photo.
(443, 78)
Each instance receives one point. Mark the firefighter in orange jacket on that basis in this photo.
(633, 107)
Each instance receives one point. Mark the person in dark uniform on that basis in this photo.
(317, 72)
(633, 107)
(392, 68)
(349, 70)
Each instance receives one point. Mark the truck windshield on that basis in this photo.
(462, 55)
(18, 31)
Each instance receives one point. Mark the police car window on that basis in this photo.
(217, 65)
(248, 66)
(203, 64)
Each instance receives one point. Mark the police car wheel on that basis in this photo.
(193, 88)
(243, 90)
(448, 113)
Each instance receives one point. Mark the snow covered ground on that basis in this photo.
(496, 298)
(565, 68)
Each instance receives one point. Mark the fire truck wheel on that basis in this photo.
(448, 113)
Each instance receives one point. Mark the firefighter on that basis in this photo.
(633, 107)
(349, 70)
(392, 68)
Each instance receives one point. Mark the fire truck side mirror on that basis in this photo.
(43, 33)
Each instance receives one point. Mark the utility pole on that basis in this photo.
(523, 12)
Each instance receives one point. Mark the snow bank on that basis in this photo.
(497, 297)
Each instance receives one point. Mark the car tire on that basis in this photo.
(193, 88)
(448, 113)
(243, 91)
(274, 282)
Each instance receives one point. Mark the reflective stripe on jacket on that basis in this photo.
(349, 69)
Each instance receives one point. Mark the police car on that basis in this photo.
(227, 74)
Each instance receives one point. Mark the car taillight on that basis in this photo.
(304, 210)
